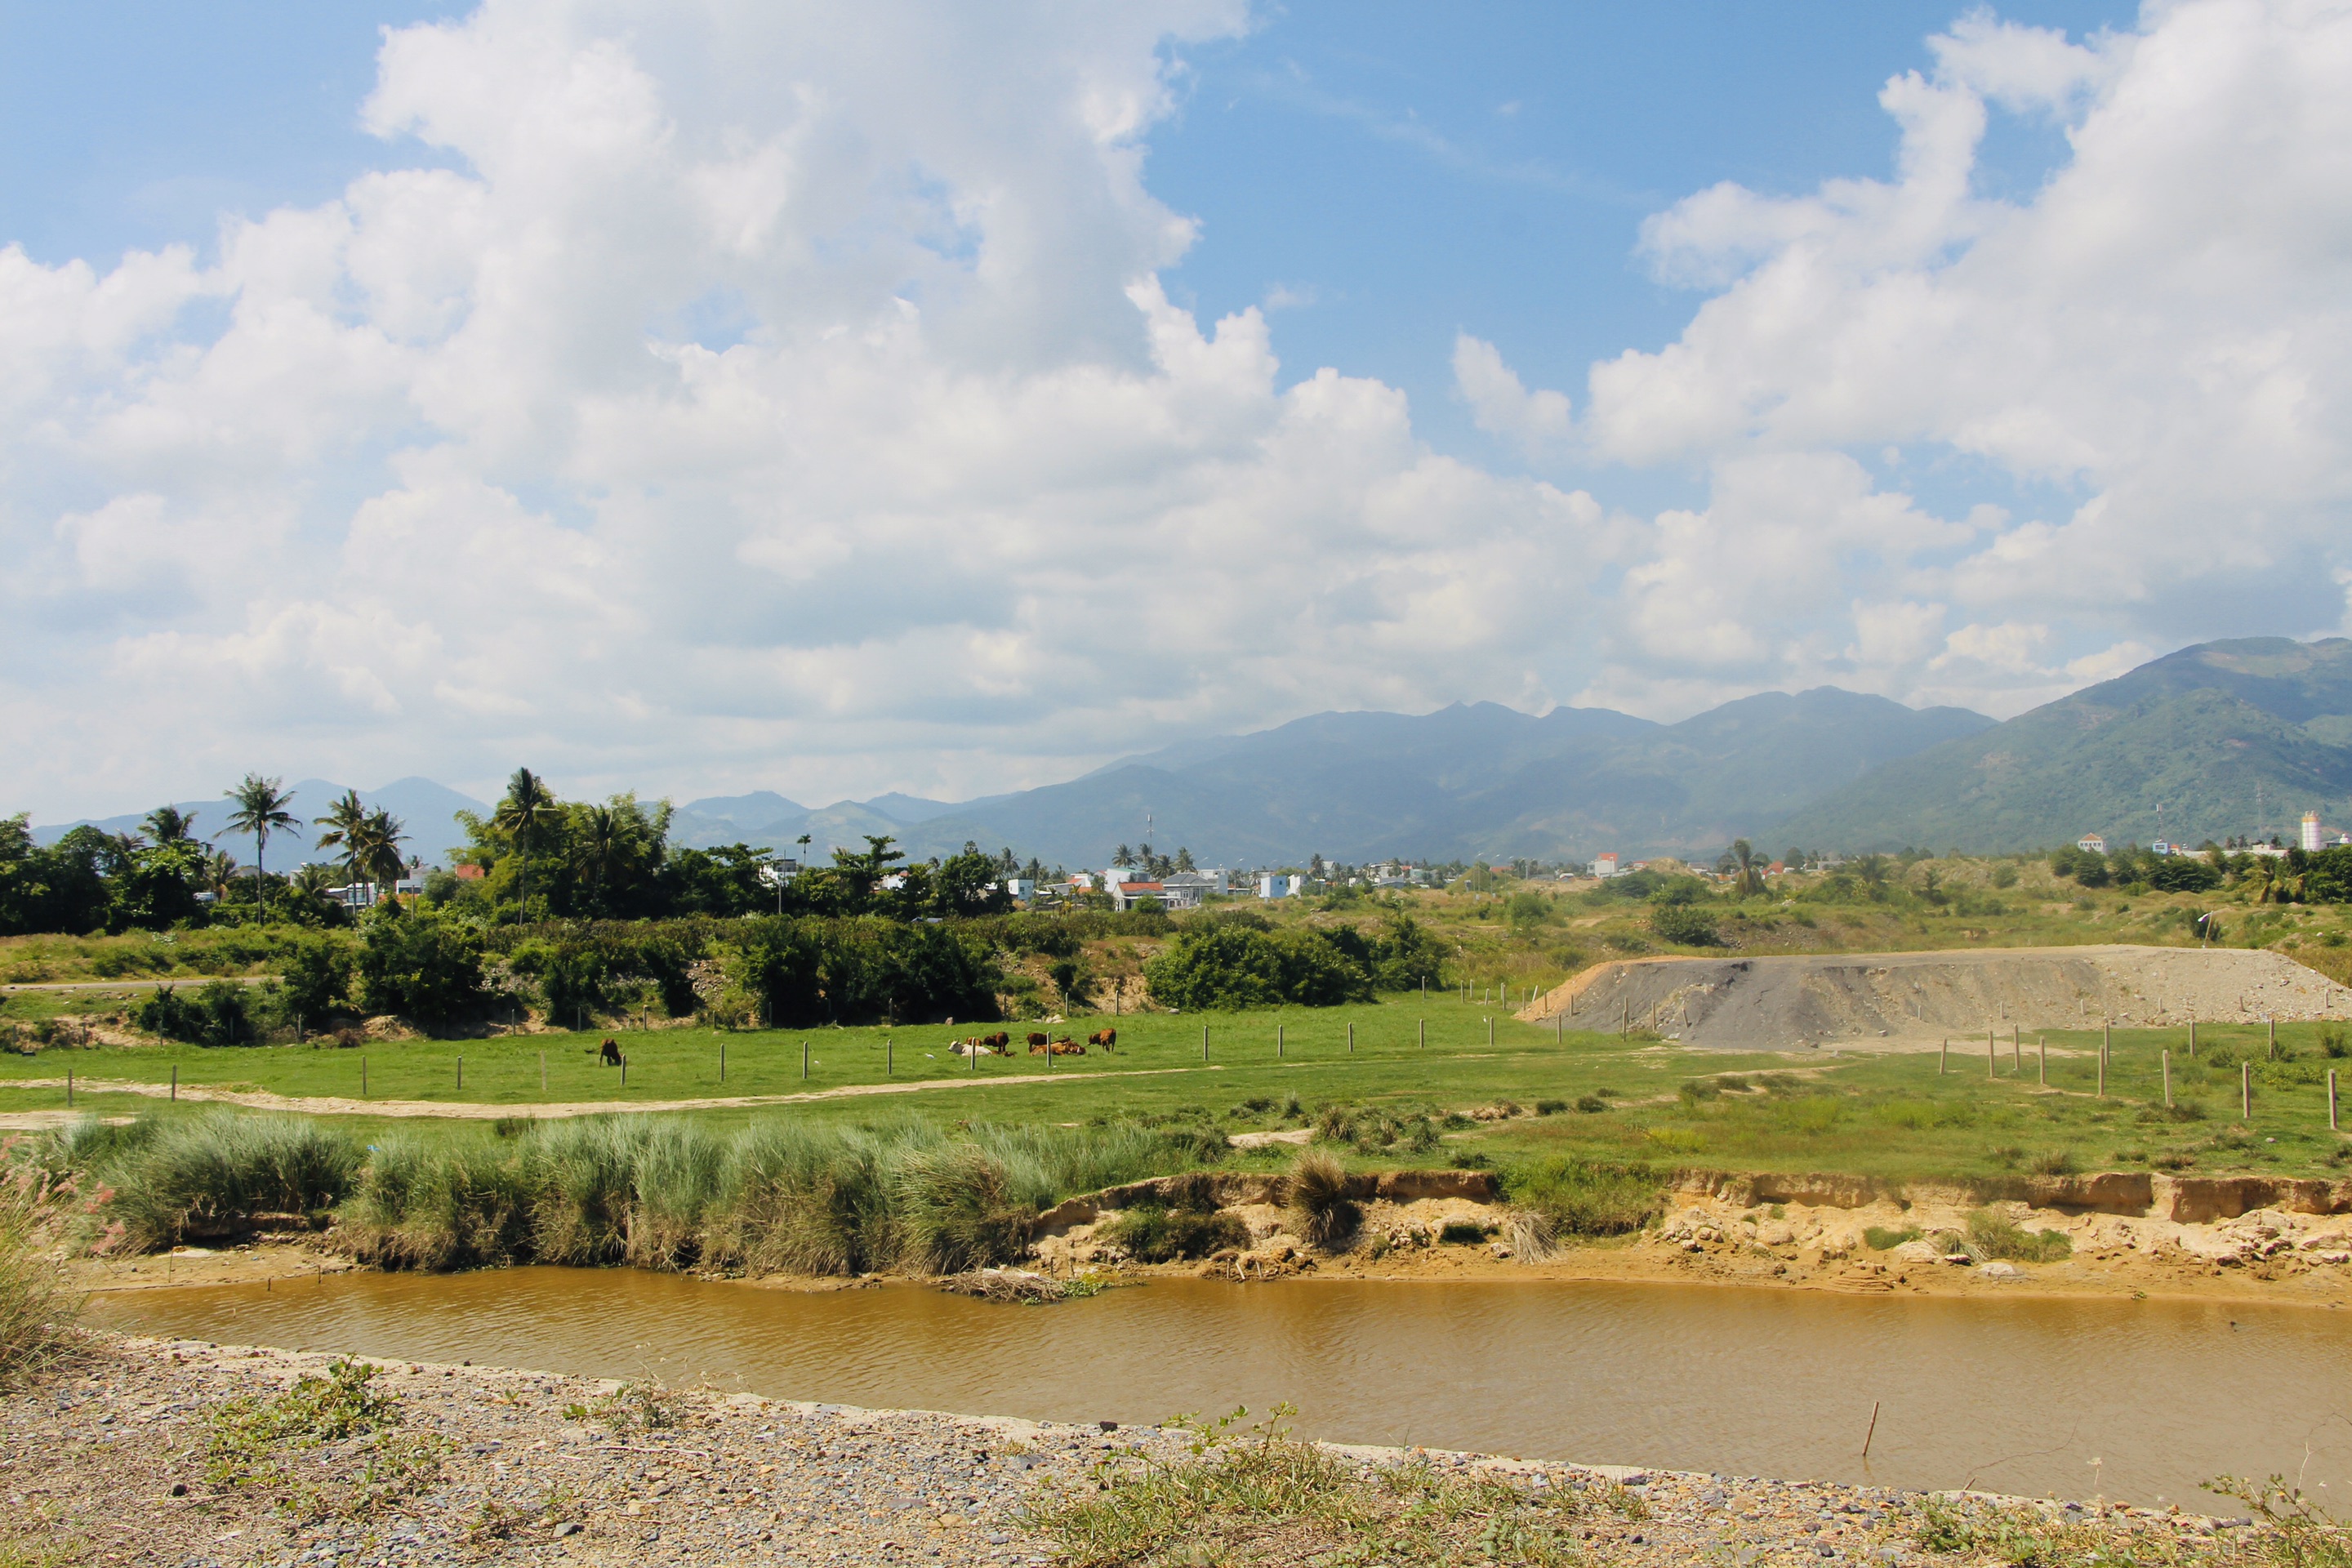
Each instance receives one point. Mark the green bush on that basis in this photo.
(1231, 965)
(1153, 1233)
(1683, 925)
(422, 965)
(1992, 1235)
(316, 972)
(215, 1016)
(1879, 1238)
(1577, 1196)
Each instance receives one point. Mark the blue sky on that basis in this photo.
(702, 397)
(1387, 174)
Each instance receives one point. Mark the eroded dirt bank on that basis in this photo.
(131, 1452)
(2254, 1238)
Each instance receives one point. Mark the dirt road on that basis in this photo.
(338, 1105)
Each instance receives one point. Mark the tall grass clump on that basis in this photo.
(806, 1200)
(1320, 1209)
(209, 1175)
(654, 1191)
(956, 1211)
(463, 1205)
(39, 1213)
(1567, 1196)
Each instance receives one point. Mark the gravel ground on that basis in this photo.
(104, 1459)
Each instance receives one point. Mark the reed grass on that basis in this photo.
(654, 1191)
(38, 1306)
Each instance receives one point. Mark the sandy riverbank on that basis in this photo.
(106, 1457)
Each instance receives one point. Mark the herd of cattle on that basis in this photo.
(1001, 1045)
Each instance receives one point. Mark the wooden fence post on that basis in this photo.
(1943, 1056)
(2245, 1091)
(2167, 1080)
(1993, 1058)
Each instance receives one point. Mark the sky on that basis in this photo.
(708, 396)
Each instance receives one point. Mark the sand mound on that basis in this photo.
(1781, 1003)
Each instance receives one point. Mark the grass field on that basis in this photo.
(1892, 1117)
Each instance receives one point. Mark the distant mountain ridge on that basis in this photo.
(2197, 732)
(2227, 738)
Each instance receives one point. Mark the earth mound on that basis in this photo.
(1731, 1003)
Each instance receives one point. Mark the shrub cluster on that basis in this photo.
(1243, 961)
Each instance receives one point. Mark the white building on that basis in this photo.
(1126, 895)
(1214, 880)
(1020, 887)
(1605, 865)
(2314, 837)
(1275, 885)
(2092, 842)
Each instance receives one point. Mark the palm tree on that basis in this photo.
(379, 850)
(220, 866)
(603, 833)
(1744, 857)
(170, 824)
(803, 842)
(346, 825)
(260, 805)
(528, 799)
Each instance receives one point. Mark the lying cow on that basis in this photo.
(1065, 1047)
(611, 1054)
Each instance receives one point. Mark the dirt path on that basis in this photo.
(1884, 1000)
(337, 1105)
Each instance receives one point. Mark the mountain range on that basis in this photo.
(2217, 740)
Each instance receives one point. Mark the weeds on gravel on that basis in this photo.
(2301, 1535)
(273, 1443)
(2028, 1535)
(632, 1408)
(1154, 1234)
(1259, 1496)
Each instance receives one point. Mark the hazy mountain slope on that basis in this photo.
(1472, 779)
(2195, 732)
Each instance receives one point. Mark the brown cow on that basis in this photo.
(612, 1054)
(1036, 1041)
(1106, 1038)
(996, 1042)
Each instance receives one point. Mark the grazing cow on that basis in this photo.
(997, 1042)
(1036, 1042)
(1106, 1038)
(611, 1054)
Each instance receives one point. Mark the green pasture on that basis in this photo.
(1893, 1116)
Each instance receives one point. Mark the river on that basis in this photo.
(2133, 1400)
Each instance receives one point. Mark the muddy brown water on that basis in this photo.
(2135, 1400)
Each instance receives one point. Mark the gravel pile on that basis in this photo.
(104, 1459)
